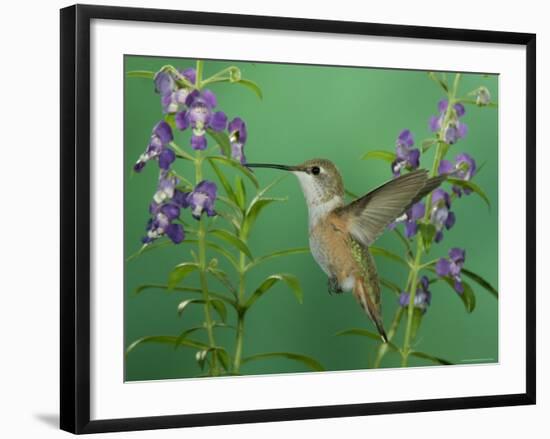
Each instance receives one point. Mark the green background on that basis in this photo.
(337, 113)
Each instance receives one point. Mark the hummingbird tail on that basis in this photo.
(372, 309)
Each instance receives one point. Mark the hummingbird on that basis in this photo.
(340, 234)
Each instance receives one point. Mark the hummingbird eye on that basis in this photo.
(315, 170)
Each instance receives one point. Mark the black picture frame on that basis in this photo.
(75, 217)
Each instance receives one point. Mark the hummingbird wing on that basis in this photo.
(368, 216)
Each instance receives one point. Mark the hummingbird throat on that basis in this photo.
(320, 201)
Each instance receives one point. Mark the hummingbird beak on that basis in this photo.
(274, 166)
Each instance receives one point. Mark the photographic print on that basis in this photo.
(285, 218)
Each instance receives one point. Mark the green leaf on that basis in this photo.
(291, 280)
(181, 272)
(427, 144)
(224, 279)
(233, 240)
(429, 357)
(222, 251)
(276, 254)
(183, 305)
(369, 334)
(382, 155)
(140, 74)
(224, 358)
(236, 165)
(230, 203)
(203, 327)
(308, 361)
(221, 354)
(148, 247)
(390, 285)
(200, 357)
(427, 231)
(404, 241)
(468, 297)
(252, 86)
(185, 289)
(222, 140)
(225, 183)
(473, 187)
(231, 219)
(379, 251)
(434, 77)
(474, 102)
(240, 192)
(482, 282)
(165, 339)
(218, 306)
(416, 321)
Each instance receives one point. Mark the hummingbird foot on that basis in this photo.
(334, 286)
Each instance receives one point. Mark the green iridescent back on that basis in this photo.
(364, 259)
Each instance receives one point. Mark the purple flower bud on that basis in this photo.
(157, 148)
(237, 136)
(441, 216)
(422, 298)
(454, 129)
(405, 156)
(164, 83)
(483, 97)
(190, 74)
(165, 188)
(405, 138)
(460, 110)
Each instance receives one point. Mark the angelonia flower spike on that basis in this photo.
(430, 219)
(193, 109)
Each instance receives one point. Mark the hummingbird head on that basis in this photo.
(321, 182)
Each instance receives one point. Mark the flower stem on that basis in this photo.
(383, 348)
(240, 315)
(201, 238)
(198, 77)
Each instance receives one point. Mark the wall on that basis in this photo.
(29, 322)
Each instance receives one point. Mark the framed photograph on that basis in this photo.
(268, 218)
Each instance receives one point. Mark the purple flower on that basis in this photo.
(157, 148)
(201, 199)
(166, 187)
(410, 219)
(464, 169)
(452, 267)
(164, 209)
(161, 223)
(237, 137)
(200, 116)
(172, 96)
(422, 298)
(405, 156)
(454, 128)
(441, 216)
